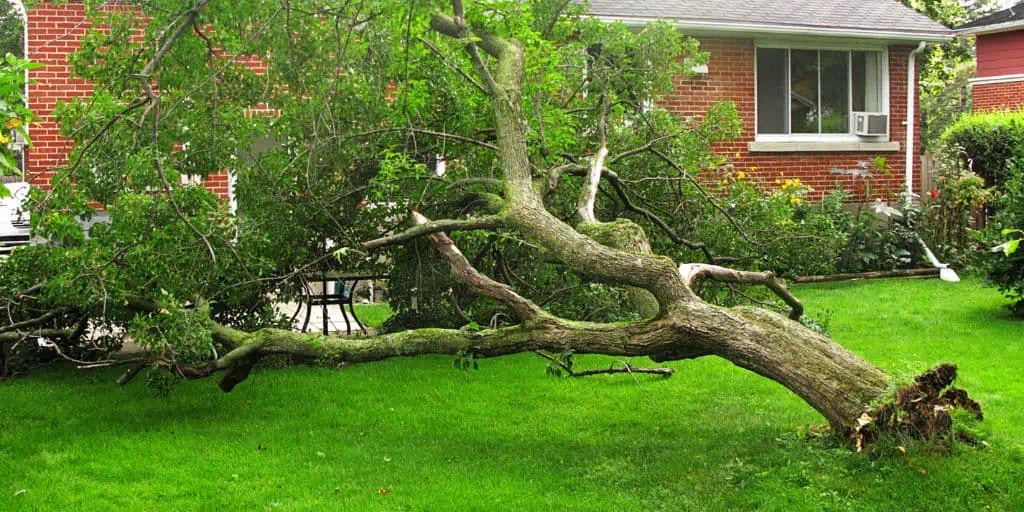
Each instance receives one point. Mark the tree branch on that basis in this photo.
(692, 273)
(612, 369)
(444, 225)
(525, 309)
(592, 180)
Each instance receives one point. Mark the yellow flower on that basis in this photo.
(741, 175)
(4, 139)
(738, 155)
(778, 182)
(13, 123)
(725, 182)
(795, 201)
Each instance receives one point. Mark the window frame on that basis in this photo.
(824, 137)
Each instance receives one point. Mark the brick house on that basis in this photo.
(820, 85)
(999, 45)
(784, 62)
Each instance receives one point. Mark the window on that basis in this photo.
(815, 92)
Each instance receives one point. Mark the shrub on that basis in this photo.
(947, 219)
(985, 142)
(1006, 266)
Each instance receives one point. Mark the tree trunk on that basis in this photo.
(836, 382)
(628, 237)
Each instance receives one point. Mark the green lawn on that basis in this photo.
(373, 315)
(418, 435)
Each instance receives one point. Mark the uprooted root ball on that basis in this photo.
(922, 410)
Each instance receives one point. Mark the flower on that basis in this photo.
(4, 139)
(13, 123)
(935, 193)
(778, 182)
(741, 175)
(796, 201)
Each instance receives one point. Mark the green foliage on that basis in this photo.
(948, 213)
(946, 68)
(985, 143)
(11, 30)
(1005, 263)
(14, 115)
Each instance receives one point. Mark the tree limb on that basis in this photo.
(525, 309)
(692, 273)
(612, 369)
(444, 225)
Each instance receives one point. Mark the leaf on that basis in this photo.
(384, 491)
(20, 492)
(1011, 247)
(5, 193)
(1009, 231)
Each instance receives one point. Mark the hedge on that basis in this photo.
(988, 140)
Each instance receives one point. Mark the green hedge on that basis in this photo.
(988, 140)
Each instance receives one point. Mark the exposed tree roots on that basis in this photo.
(922, 410)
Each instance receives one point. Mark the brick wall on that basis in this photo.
(54, 31)
(731, 78)
(998, 96)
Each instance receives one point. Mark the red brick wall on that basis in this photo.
(54, 31)
(731, 78)
(1000, 54)
(1007, 95)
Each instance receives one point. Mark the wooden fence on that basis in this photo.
(929, 171)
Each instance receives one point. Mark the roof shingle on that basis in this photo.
(884, 16)
(1012, 14)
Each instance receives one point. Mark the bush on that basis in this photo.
(947, 220)
(1006, 267)
(985, 142)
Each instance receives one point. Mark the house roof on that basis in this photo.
(872, 19)
(1008, 19)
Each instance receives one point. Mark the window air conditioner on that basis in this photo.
(870, 124)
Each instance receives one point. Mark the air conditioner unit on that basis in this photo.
(870, 124)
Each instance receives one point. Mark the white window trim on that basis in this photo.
(763, 140)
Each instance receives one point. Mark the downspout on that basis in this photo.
(911, 117)
(945, 273)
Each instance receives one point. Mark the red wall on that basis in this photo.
(1000, 96)
(1000, 54)
(731, 78)
(53, 33)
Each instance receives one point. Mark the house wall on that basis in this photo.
(1000, 54)
(1000, 75)
(730, 77)
(998, 96)
(55, 31)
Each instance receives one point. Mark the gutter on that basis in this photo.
(777, 29)
(991, 29)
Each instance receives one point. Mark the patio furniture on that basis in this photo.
(342, 296)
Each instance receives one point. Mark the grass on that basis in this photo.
(373, 315)
(418, 435)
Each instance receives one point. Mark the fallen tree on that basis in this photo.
(189, 281)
